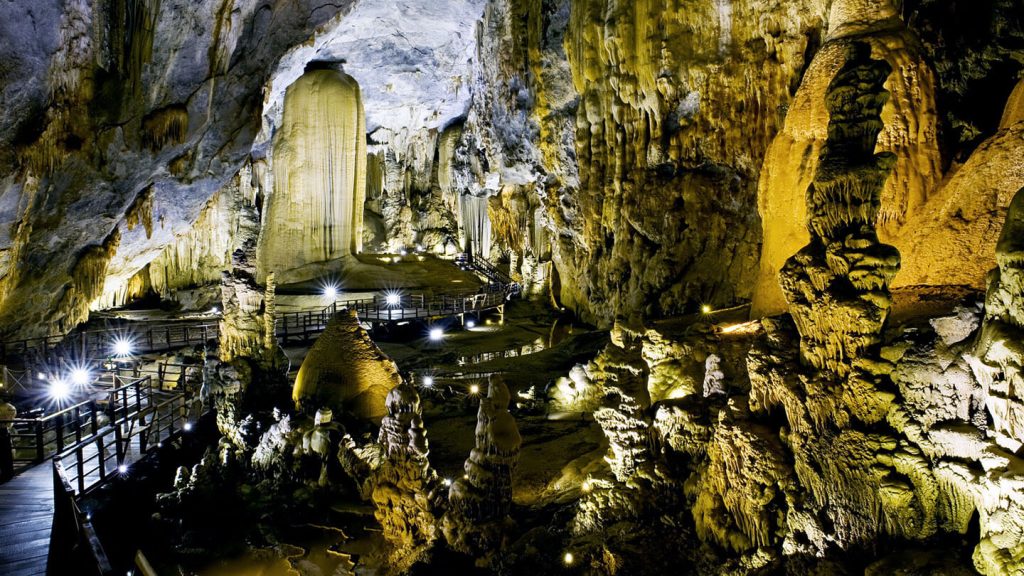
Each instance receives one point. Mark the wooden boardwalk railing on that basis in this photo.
(36, 438)
(100, 343)
(142, 420)
(302, 324)
(142, 416)
(379, 310)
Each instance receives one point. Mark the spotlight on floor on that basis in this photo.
(428, 381)
(393, 298)
(80, 377)
(122, 347)
(436, 334)
(59, 390)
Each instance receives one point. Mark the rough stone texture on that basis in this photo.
(953, 241)
(618, 128)
(345, 371)
(742, 489)
(1000, 348)
(622, 415)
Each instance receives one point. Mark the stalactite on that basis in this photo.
(87, 278)
(476, 222)
(138, 286)
(165, 127)
(141, 212)
(133, 23)
(195, 258)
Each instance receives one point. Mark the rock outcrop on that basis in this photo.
(345, 371)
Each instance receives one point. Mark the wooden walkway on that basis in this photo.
(303, 325)
(26, 516)
(381, 309)
(27, 500)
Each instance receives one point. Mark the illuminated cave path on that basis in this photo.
(26, 516)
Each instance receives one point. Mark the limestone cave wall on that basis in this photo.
(651, 133)
(629, 159)
(110, 106)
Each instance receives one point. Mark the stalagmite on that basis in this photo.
(315, 213)
(404, 485)
(909, 131)
(740, 223)
(480, 501)
(357, 382)
(837, 285)
(246, 324)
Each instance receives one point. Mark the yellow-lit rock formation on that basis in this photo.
(910, 133)
(315, 213)
(345, 371)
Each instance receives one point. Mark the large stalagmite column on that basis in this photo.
(909, 132)
(315, 213)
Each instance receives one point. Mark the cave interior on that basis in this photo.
(389, 287)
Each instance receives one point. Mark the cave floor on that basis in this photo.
(364, 273)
